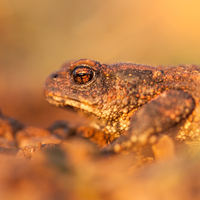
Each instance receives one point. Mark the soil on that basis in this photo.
(56, 162)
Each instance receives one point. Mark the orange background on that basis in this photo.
(36, 37)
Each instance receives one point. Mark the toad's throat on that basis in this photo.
(70, 103)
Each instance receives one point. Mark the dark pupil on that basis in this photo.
(82, 75)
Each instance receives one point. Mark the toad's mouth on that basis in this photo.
(69, 103)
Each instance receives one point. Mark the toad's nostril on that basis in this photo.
(55, 76)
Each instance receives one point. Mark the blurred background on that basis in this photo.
(36, 37)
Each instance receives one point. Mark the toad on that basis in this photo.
(131, 104)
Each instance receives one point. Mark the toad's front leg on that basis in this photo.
(157, 116)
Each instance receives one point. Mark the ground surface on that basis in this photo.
(37, 163)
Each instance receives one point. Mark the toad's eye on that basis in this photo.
(83, 75)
